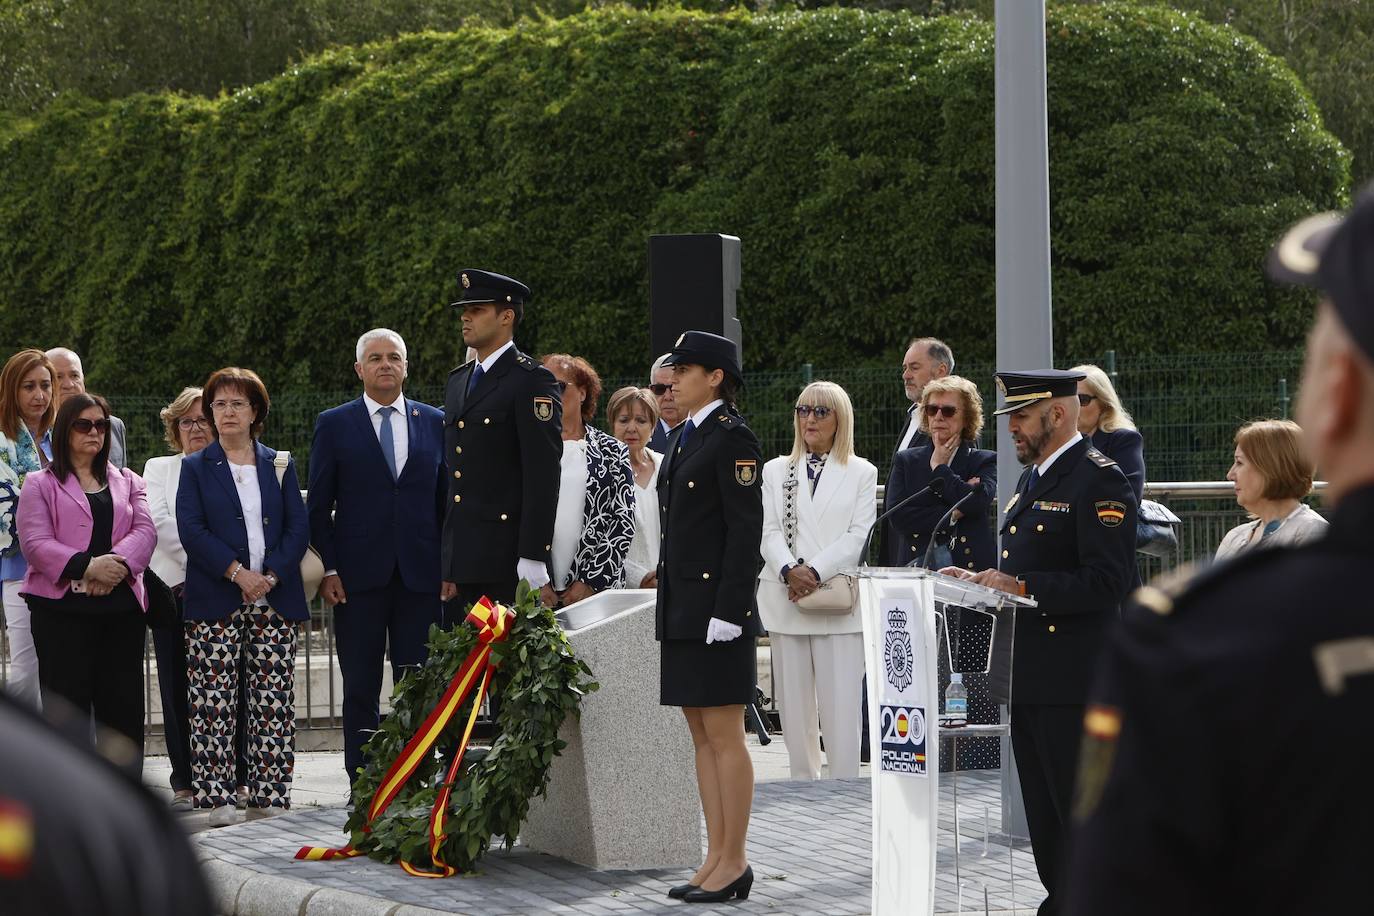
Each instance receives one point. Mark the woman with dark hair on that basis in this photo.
(88, 537)
(27, 410)
(712, 510)
(595, 521)
(244, 533)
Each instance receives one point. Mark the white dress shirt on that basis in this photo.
(495, 355)
(1044, 466)
(400, 427)
(250, 498)
(913, 426)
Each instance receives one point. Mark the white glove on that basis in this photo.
(532, 571)
(720, 631)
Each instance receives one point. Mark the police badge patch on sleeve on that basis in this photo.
(543, 408)
(1110, 512)
(746, 472)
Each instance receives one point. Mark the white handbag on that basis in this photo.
(836, 595)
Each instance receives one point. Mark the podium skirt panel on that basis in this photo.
(694, 673)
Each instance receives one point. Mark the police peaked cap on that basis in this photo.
(710, 351)
(1334, 253)
(1022, 389)
(480, 287)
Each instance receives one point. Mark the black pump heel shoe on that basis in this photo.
(737, 888)
(682, 890)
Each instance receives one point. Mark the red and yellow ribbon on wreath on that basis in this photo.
(493, 624)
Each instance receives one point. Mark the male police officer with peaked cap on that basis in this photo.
(1068, 540)
(503, 442)
(1226, 758)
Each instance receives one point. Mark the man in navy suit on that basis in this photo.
(376, 505)
(661, 385)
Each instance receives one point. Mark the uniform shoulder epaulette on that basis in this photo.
(1181, 586)
(526, 363)
(462, 367)
(727, 419)
(1099, 459)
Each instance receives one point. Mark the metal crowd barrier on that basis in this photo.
(1208, 511)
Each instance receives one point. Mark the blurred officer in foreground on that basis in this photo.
(77, 834)
(1226, 758)
(503, 441)
(1068, 540)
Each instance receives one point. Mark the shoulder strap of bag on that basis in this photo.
(280, 462)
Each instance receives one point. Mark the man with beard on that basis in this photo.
(1068, 540)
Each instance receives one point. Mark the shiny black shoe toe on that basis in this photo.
(738, 888)
(682, 890)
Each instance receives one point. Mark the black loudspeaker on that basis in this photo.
(692, 284)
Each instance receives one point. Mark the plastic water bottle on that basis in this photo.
(956, 702)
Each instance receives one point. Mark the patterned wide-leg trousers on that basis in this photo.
(258, 645)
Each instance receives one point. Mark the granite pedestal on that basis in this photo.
(622, 795)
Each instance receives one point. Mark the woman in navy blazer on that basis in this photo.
(1109, 426)
(244, 536)
(952, 411)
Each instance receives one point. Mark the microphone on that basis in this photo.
(944, 520)
(936, 486)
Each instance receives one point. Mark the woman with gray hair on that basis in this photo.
(818, 504)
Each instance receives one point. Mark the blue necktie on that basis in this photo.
(474, 378)
(1032, 479)
(686, 434)
(388, 441)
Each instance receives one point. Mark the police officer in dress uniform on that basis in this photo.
(1226, 752)
(706, 618)
(1068, 540)
(503, 445)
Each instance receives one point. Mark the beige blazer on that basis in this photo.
(1302, 525)
(831, 526)
(162, 474)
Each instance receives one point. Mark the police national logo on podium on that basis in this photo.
(902, 713)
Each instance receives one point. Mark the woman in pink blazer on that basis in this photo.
(85, 529)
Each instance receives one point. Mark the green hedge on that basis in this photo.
(164, 236)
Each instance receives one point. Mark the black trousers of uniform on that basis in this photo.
(1045, 740)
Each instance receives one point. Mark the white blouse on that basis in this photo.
(567, 523)
(642, 558)
(250, 498)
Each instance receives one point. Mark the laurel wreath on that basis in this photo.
(539, 682)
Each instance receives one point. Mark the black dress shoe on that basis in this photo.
(737, 888)
(682, 890)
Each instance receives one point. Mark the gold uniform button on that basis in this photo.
(691, 484)
(1005, 554)
(457, 474)
(970, 566)
(486, 421)
(458, 449)
(457, 499)
(548, 547)
(1013, 529)
(1039, 527)
(1051, 628)
(968, 550)
(748, 613)
(705, 575)
(963, 540)
(460, 424)
(913, 548)
(504, 516)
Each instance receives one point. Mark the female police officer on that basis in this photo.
(712, 521)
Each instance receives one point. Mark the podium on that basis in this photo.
(913, 618)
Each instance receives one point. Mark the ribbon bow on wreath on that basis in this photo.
(493, 622)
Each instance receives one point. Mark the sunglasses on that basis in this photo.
(1085, 399)
(945, 410)
(82, 425)
(659, 389)
(806, 410)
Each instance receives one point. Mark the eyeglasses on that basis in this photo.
(193, 423)
(1085, 399)
(806, 410)
(945, 410)
(659, 389)
(82, 425)
(235, 406)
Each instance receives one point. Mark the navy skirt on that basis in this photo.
(693, 673)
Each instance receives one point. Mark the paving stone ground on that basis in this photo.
(809, 843)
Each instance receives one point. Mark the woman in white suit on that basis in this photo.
(818, 504)
(186, 431)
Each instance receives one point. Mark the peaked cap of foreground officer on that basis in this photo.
(1334, 253)
(482, 287)
(710, 351)
(1022, 389)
